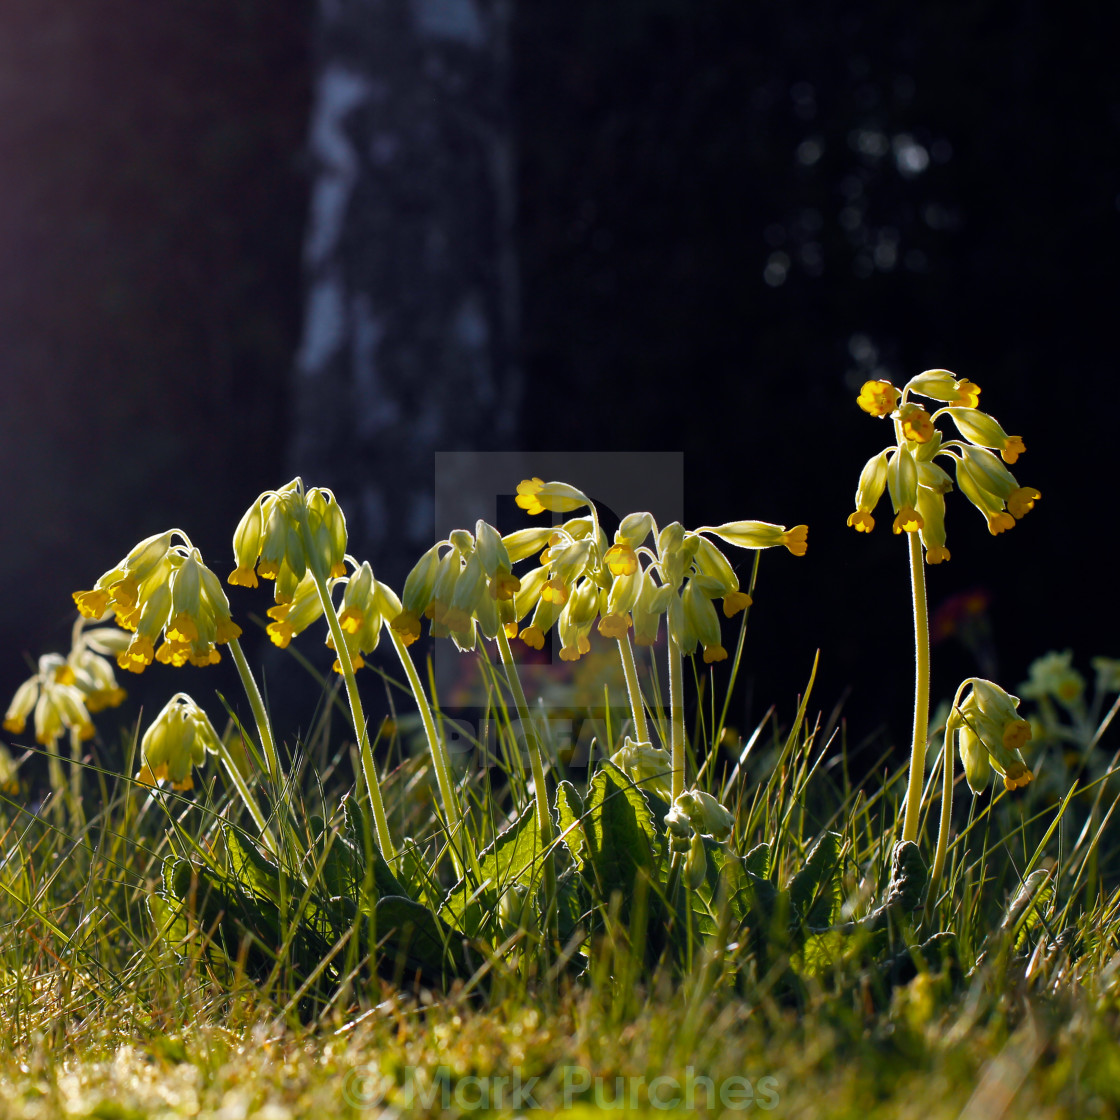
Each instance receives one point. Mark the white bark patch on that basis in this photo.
(340, 91)
(324, 327)
(450, 19)
(376, 410)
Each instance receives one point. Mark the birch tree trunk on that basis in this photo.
(411, 318)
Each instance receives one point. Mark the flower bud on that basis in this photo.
(535, 496)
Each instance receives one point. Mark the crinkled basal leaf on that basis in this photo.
(413, 871)
(819, 952)
(1024, 912)
(908, 877)
(362, 842)
(815, 889)
(242, 916)
(165, 905)
(757, 860)
(569, 810)
(511, 858)
(250, 868)
(619, 831)
(416, 944)
(571, 899)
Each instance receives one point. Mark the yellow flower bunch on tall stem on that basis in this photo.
(917, 485)
(290, 534)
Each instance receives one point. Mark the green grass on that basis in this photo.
(104, 1018)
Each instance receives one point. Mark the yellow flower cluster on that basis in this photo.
(65, 692)
(917, 483)
(177, 740)
(464, 586)
(990, 734)
(163, 588)
(466, 583)
(286, 532)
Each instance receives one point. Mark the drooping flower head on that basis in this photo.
(163, 588)
(464, 585)
(64, 693)
(917, 483)
(629, 584)
(285, 531)
(177, 740)
(990, 734)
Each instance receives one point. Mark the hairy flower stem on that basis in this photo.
(637, 707)
(921, 690)
(247, 797)
(676, 715)
(536, 761)
(260, 716)
(76, 809)
(451, 808)
(357, 715)
(943, 828)
(946, 797)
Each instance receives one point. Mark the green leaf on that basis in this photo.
(569, 811)
(908, 878)
(511, 858)
(757, 860)
(620, 834)
(1024, 912)
(820, 952)
(249, 867)
(416, 944)
(815, 889)
(363, 844)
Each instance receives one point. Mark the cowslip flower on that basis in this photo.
(292, 618)
(9, 778)
(917, 483)
(367, 605)
(627, 584)
(163, 588)
(1053, 675)
(878, 398)
(285, 531)
(177, 740)
(56, 701)
(705, 813)
(761, 534)
(465, 586)
(648, 767)
(990, 735)
(535, 496)
(65, 692)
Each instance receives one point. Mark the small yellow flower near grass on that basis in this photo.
(989, 734)
(177, 740)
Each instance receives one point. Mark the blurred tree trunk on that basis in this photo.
(411, 317)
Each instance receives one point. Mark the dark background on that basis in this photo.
(730, 215)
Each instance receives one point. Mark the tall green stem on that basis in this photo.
(260, 716)
(946, 793)
(247, 798)
(451, 808)
(357, 715)
(676, 715)
(637, 707)
(921, 689)
(536, 761)
(946, 814)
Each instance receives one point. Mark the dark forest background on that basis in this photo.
(729, 215)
